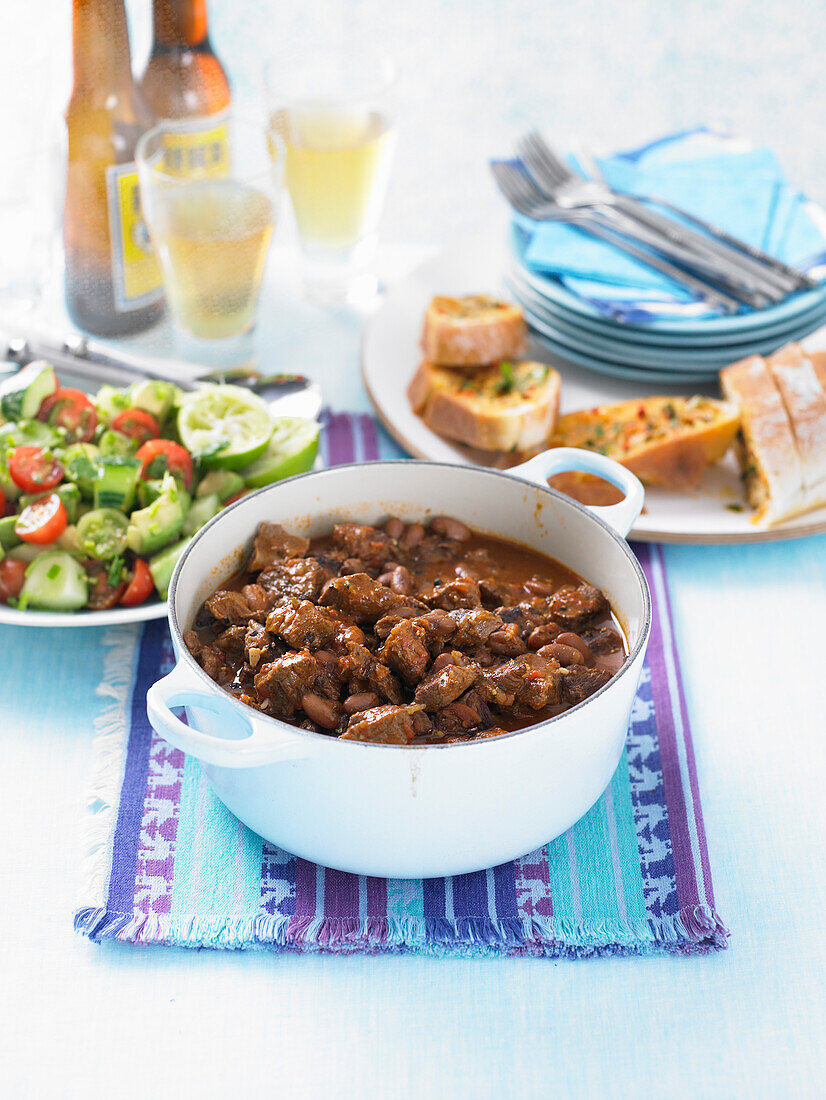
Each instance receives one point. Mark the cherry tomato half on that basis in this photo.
(137, 424)
(2, 504)
(42, 521)
(102, 595)
(140, 586)
(159, 455)
(12, 574)
(34, 470)
(70, 409)
(235, 496)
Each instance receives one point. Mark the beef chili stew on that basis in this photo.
(405, 633)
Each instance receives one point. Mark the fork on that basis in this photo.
(524, 197)
(555, 178)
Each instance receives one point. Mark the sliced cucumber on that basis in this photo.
(292, 449)
(116, 481)
(102, 533)
(151, 528)
(162, 566)
(201, 512)
(68, 540)
(79, 463)
(55, 582)
(30, 433)
(110, 401)
(25, 551)
(22, 395)
(116, 443)
(226, 483)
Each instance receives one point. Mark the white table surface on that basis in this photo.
(78, 1019)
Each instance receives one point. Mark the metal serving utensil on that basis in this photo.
(524, 197)
(284, 394)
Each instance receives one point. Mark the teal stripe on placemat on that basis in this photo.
(626, 840)
(595, 870)
(560, 885)
(187, 844)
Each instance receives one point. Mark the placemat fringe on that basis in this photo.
(108, 759)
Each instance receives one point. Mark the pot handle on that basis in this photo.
(558, 460)
(247, 744)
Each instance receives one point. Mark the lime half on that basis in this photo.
(291, 450)
(224, 426)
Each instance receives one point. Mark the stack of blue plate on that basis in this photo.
(668, 349)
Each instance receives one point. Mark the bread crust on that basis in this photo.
(473, 331)
(688, 434)
(465, 407)
(801, 391)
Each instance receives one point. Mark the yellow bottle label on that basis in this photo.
(197, 153)
(136, 277)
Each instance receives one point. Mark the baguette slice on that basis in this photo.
(506, 407)
(802, 393)
(769, 463)
(667, 441)
(472, 331)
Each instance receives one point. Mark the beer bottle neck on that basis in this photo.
(179, 23)
(100, 46)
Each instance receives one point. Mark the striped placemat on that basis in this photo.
(166, 862)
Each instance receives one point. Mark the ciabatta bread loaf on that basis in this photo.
(803, 395)
(472, 331)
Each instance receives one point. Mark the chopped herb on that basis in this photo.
(735, 507)
(670, 411)
(599, 431)
(54, 572)
(115, 570)
(507, 381)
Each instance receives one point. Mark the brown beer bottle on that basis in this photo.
(113, 282)
(183, 77)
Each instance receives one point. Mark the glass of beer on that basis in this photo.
(332, 112)
(209, 191)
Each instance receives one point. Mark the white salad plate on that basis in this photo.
(116, 616)
(714, 512)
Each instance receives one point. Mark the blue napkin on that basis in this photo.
(716, 177)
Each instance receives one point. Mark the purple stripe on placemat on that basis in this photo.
(341, 894)
(470, 895)
(504, 883)
(370, 437)
(305, 897)
(675, 796)
(339, 433)
(121, 898)
(376, 889)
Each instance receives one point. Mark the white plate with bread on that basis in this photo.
(453, 378)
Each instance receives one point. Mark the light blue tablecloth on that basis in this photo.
(746, 1022)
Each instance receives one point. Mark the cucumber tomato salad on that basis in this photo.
(99, 494)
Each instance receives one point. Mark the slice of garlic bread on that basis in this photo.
(803, 396)
(665, 441)
(766, 448)
(472, 331)
(506, 407)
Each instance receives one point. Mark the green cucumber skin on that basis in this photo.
(154, 397)
(22, 395)
(201, 512)
(116, 482)
(68, 591)
(162, 566)
(151, 528)
(226, 483)
(8, 538)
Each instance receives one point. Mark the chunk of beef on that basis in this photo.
(238, 608)
(258, 645)
(580, 683)
(284, 680)
(574, 607)
(360, 597)
(231, 641)
(507, 642)
(529, 679)
(406, 650)
(211, 659)
(272, 543)
(387, 725)
(474, 626)
(498, 594)
(602, 640)
(439, 688)
(301, 577)
(362, 671)
(368, 544)
(387, 622)
(302, 625)
(462, 592)
(467, 713)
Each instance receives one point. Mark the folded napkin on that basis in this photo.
(715, 177)
(167, 863)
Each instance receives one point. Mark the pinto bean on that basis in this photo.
(464, 714)
(394, 527)
(385, 579)
(450, 528)
(565, 654)
(323, 712)
(325, 657)
(412, 536)
(536, 587)
(543, 635)
(506, 641)
(441, 622)
(401, 581)
(406, 612)
(442, 661)
(361, 700)
(570, 639)
(421, 722)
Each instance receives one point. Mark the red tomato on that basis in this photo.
(72, 410)
(159, 455)
(102, 595)
(42, 521)
(140, 586)
(12, 573)
(2, 504)
(235, 496)
(34, 470)
(137, 424)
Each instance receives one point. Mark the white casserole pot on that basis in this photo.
(418, 811)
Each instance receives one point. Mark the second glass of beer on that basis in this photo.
(334, 113)
(209, 191)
